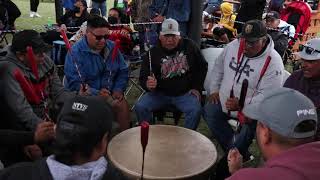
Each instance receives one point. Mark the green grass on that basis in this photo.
(45, 9)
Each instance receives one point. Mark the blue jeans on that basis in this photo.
(187, 103)
(217, 122)
(102, 6)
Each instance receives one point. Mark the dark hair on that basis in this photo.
(218, 31)
(95, 11)
(96, 21)
(70, 142)
(116, 9)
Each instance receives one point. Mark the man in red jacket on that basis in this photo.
(287, 123)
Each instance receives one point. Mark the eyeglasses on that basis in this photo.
(99, 37)
(251, 43)
(308, 50)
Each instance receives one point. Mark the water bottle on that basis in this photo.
(120, 4)
(49, 23)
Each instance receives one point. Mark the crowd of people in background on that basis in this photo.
(65, 123)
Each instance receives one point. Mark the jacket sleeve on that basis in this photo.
(272, 79)
(73, 80)
(122, 76)
(199, 70)
(217, 73)
(16, 100)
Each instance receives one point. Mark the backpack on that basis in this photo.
(298, 14)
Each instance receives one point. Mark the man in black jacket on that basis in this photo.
(280, 39)
(173, 75)
(82, 133)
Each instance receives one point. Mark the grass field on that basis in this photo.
(46, 10)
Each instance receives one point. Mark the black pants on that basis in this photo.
(34, 5)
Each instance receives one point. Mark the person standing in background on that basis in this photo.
(100, 4)
(33, 8)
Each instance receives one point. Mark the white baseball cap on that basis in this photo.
(170, 26)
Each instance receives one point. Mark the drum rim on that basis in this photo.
(130, 173)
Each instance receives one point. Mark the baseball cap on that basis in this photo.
(311, 50)
(31, 38)
(84, 116)
(273, 15)
(282, 110)
(253, 30)
(170, 26)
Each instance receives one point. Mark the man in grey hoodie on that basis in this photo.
(250, 57)
(23, 109)
(24, 104)
(82, 134)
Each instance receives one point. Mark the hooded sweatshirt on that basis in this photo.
(224, 73)
(15, 108)
(89, 171)
(299, 163)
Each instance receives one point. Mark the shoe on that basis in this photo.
(37, 15)
(32, 14)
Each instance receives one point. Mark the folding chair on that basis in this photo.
(3, 37)
(134, 63)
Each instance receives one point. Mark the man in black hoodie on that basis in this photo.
(279, 38)
(173, 75)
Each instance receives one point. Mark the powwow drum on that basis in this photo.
(172, 153)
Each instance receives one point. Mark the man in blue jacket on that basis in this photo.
(97, 65)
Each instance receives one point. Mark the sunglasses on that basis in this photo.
(99, 37)
(308, 50)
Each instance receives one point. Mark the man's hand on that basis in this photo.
(234, 160)
(232, 104)
(151, 83)
(214, 98)
(117, 95)
(104, 92)
(196, 94)
(158, 18)
(62, 27)
(44, 131)
(84, 90)
(33, 152)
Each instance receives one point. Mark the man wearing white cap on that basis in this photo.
(173, 75)
(286, 126)
(307, 80)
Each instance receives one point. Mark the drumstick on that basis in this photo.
(68, 46)
(231, 96)
(149, 50)
(38, 89)
(144, 141)
(241, 118)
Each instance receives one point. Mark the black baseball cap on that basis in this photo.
(273, 15)
(253, 30)
(84, 116)
(26, 38)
